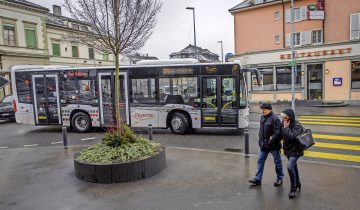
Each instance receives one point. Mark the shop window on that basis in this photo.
(267, 80)
(9, 35)
(143, 91)
(355, 75)
(30, 35)
(56, 49)
(186, 87)
(283, 78)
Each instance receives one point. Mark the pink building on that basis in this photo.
(327, 45)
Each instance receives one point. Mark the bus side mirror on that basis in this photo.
(256, 72)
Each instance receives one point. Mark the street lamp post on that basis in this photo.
(292, 39)
(193, 9)
(222, 51)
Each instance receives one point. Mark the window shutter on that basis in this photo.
(307, 37)
(30, 38)
(287, 16)
(303, 11)
(354, 26)
(287, 40)
(56, 49)
(303, 38)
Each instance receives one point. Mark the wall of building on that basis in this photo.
(338, 14)
(337, 69)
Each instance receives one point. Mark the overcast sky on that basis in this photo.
(174, 30)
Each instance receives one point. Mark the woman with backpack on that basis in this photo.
(291, 128)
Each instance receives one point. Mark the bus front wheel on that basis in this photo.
(179, 123)
(81, 122)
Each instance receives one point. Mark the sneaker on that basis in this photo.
(255, 182)
(278, 183)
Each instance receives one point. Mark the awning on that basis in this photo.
(3, 82)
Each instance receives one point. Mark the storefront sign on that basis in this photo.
(316, 14)
(337, 81)
(317, 53)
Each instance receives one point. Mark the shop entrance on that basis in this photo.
(314, 82)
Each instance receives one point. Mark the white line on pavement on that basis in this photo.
(30, 145)
(57, 142)
(4, 147)
(87, 139)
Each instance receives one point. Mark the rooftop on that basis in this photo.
(29, 4)
(250, 3)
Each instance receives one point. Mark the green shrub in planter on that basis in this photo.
(119, 146)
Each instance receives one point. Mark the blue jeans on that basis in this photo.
(293, 171)
(261, 163)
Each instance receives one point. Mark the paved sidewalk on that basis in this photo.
(43, 178)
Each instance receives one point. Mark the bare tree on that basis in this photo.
(117, 26)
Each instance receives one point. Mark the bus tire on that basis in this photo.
(81, 122)
(179, 123)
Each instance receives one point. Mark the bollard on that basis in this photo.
(150, 132)
(64, 137)
(247, 134)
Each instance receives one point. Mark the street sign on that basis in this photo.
(292, 63)
(312, 7)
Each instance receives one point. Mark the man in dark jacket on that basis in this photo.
(269, 142)
(290, 130)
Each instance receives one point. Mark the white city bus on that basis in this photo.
(181, 95)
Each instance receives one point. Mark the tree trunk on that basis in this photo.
(117, 93)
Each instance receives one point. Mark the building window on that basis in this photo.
(91, 53)
(283, 78)
(277, 39)
(297, 14)
(75, 51)
(259, 1)
(84, 28)
(297, 38)
(106, 56)
(316, 37)
(355, 75)
(267, 80)
(355, 26)
(56, 49)
(277, 15)
(75, 26)
(30, 35)
(9, 35)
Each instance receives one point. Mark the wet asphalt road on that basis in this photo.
(14, 135)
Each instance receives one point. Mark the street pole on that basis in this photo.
(193, 9)
(222, 51)
(292, 58)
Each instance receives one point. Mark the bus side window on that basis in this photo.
(143, 91)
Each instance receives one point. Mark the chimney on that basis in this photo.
(56, 10)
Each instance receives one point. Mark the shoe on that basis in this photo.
(255, 182)
(292, 193)
(278, 183)
(298, 186)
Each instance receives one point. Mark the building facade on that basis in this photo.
(203, 55)
(327, 48)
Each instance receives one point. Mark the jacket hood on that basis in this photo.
(290, 113)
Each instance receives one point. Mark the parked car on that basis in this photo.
(7, 108)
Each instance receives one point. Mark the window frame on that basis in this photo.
(277, 15)
(32, 28)
(296, 9)
(295, 39)
(277, 41)
(77, 51)
(13, 25)
(52, 48)
(318, 34)
(288, 68)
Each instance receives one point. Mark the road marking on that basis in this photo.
(329, 117)
(329, 123)
(334, 137)
(57, 142)
(4, 147)
(337, 146)
(30, 145)
(332, 156)
(87, 139)
(326, 120)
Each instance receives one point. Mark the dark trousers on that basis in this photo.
(293, 171)
(261, 163)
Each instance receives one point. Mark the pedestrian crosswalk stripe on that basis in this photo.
(330, 123)
(329, 117)
(337, 146)
(332, 120)
(335, 137)
(332, 156)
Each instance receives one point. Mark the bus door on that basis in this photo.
(46, 99)
(107, 99)
(219, 102)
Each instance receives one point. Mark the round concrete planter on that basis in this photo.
(120, 172)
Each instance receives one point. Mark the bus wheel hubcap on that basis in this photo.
(176, 123)
(81, 122)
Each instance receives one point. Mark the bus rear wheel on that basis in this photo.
(179, 123)
(81, 122)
